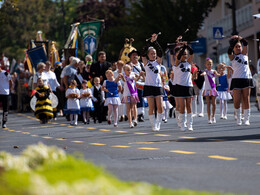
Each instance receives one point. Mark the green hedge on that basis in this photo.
(44, 170)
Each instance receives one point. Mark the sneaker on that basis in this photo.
(71, 123)
(115, 125)
(225, 117)
(221, 116)
(131, 125)
(135, 123)
(214, 120)
(109, 122)
(210, 121)
(88, 121)
(247, 122)
(4, 125)
(165, 121)
(194, 115)
(190, 128)
(201, 115)
(75, 124)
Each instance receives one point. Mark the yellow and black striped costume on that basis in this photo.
(43, 108)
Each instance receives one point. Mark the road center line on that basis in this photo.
(144, 148)
(97, 144)
(182, 152)
(222, 157)
(120, 146)
(248, 141)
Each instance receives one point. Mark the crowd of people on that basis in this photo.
(101, 90)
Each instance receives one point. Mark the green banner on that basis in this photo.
(90, 32)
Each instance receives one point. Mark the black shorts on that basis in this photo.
(241, 83)
(183, 91)
(173, 90)
(151, 91)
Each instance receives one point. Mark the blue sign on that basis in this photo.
(199, 46)
(90, 44)
(218, 33)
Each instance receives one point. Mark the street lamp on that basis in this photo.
(233, 7)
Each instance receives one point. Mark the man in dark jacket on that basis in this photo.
(99, 68)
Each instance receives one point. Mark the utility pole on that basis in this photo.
(234, 22)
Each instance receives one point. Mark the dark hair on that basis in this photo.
(101, 53)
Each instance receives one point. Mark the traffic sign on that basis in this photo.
(217, 32)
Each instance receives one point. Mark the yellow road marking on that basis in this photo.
(27, 133)
(144, 148)
(222, 157)
(60, 139)
(80, 127)
(77, 141)
(258, 163)
(140, 142)
(137, 133)
(104, 130)
(35, 135)
(70, 126)
(162, 135)
(97, 144)
(46, 137)
(91, 128)
(11, 130)
(120, 146)
(187, 137)
(247, 141)
(44, 126)
(121, 131)
(54, 123)
(18, 131)
(182, 152)
(63, 124)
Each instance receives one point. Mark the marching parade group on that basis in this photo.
(122, 91)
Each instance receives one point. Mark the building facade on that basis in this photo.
(246, 25)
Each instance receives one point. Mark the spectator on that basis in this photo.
(99, 68)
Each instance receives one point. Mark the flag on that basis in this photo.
(37, 55)
(90, 32)
(54, 54)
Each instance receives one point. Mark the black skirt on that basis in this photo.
(183, 91)
(151, 91)
(241, 83)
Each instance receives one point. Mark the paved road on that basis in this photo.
(218, 157)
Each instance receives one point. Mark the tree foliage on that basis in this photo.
(20, 20)
(170, 17)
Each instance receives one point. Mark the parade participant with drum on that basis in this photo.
(152, 58)
(137, 67)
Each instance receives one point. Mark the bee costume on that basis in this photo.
(43, 108)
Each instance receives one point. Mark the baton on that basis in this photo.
(151, 37)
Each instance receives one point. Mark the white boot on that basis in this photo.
(177, 114)
(238, 116)
(185, 120)
(182, 121)
(158, 121)
(247, 116)
(189, 121)
(152, 121)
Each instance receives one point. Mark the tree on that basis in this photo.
(170, 17)
(20, 21)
